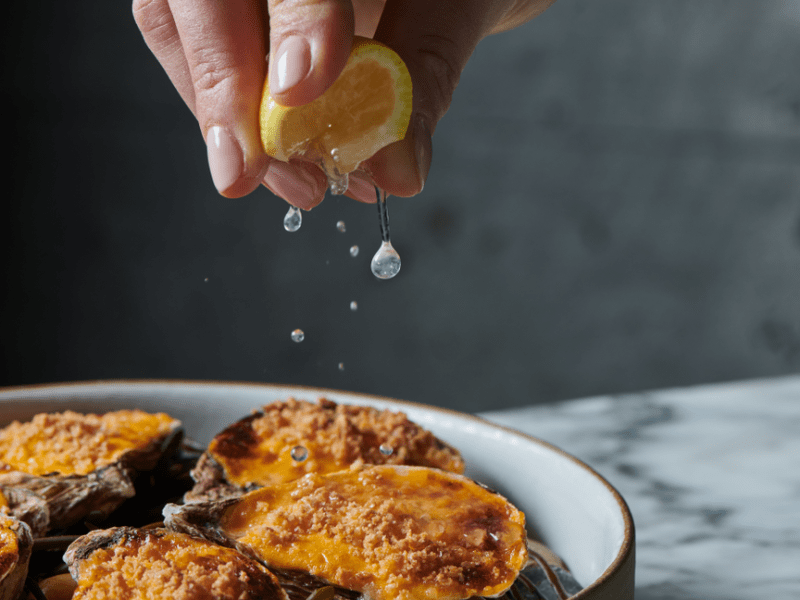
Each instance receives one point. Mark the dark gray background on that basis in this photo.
(614, 205)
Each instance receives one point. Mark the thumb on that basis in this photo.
(435, 39)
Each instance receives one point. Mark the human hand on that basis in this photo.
(213, 52)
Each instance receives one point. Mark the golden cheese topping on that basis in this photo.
(3, 503)
(155, 564)
(9, 547)
(391, 532)
(72, 443)
(330, 436)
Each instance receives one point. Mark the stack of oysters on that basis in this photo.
(297, 501)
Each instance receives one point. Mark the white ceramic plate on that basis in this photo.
(568, 506)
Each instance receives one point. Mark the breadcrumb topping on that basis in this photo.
(395, 533)
(73, 443)
(172, 566)
(258, 449)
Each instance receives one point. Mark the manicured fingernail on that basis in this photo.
(422, 147)
(292, 64)
(361, 188)
(296, 186)
(225, 158)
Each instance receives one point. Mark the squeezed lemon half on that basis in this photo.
(367, 108)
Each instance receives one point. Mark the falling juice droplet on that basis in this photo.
(293, 219)
(386, 262)
(298, 335)
(354, 306)
(299, 453)
(354, 251)
(386, 449)
(341, 366)
(337, 182)
(341, 226)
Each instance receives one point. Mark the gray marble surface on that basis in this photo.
(712, 477)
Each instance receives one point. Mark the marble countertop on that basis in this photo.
(711, 475)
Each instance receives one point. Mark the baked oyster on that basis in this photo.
(388, 532)
(124, 562)
(60, 468)
(289, 439)
(16, 544)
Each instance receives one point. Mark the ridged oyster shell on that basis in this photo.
(49, 477)
(388, 532)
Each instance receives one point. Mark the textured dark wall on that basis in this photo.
(614, 205)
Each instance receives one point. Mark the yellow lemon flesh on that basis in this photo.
(367, 107)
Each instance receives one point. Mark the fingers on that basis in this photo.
(435, 39)
(310, 41)
(520, 12)
(301, 184)
(214, 53)
(154, 19)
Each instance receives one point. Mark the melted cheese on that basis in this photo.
(257, 450)
(393, 533)
(172, 566)
(71, 443)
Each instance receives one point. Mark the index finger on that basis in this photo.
(310, 41)
(224, 44)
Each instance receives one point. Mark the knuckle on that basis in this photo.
(439, 59)
(151, 16)
(212, 71)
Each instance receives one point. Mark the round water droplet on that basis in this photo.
(340, 226)
(293, 219)
(386, 262)
(386, 449)
(335, 154)
(298, 335)
(353, 251)
(341, 366)
(354, 306)
(206, 279)
(299, 453)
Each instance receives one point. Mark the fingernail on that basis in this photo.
(225, 158)
(292, 64)
(361, 188)
(295, 186)
(422, 147)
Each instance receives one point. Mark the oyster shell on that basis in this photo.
(16, 544)
(60, 468)
(389, 532)
(124, 562)
(258, 450)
